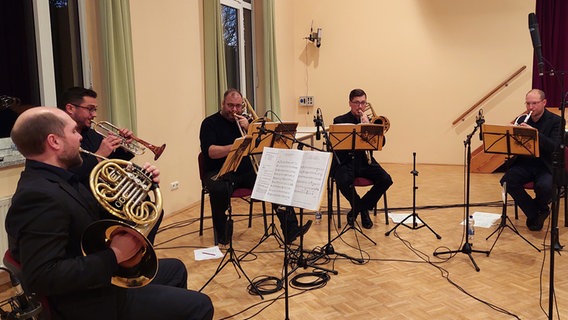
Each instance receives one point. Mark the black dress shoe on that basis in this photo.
(538, 222)
(366, 219)
(351, 218)
(298, 232)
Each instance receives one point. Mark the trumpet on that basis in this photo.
(527, 117)
(136, 146)
(127, 192)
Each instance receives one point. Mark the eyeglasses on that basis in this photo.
(532, 103)
(91, 110)
(359, 103)
(235, 105)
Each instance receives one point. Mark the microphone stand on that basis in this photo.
(467, 249)
(328, 249)
(558, 183)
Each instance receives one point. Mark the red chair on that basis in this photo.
(14, 266)
(361, 182)
(242, 193)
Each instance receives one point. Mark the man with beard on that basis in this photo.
(81, 105)
(49, 213)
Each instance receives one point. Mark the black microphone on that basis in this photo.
(480, 120)
(535, 36)
(261, 131)
(317, 120)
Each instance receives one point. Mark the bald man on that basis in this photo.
(49, 213)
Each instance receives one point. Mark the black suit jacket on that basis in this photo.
(345, 157)
(549, 138)
(44, 224)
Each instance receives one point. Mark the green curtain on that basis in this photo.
(272, 94)
(214, 51)
(118, 66)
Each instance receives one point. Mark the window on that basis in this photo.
(44, 53)
(236, 18)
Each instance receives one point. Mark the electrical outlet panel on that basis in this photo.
(174, 185)
(307, 101)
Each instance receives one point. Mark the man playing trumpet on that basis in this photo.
(217, 134)
(81, 105)
(346, 169)
(524, 169)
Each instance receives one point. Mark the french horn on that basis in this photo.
(127, 192)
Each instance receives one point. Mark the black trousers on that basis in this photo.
(517, 176)
(166, 297)
(344, 175)
(219, 191)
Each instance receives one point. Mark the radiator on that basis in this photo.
(4, 205)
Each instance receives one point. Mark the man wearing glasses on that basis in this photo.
(359, 166)
(217, 134)
(81, 104)
(525, 169)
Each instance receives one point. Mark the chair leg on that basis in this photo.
(565, 208)
(338, 205)
(250, 212)
(516, 212)
(386, 209)
(201, 213)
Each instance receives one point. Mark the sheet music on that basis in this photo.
(310, 184)
(292, 177)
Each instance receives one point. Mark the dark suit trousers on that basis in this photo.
(517, 176)
(344, 175)
(166, 297)
(219, 195)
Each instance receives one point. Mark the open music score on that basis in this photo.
(367, 136)
(510, 140)
(239, 149)
(292, 177)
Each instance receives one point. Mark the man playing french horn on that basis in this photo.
(362, 165)
(50, 212)
(217, 134)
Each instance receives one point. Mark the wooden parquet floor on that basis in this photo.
(400, 278)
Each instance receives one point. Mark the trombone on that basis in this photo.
(369, 112)
(252, 117)
(136, 146)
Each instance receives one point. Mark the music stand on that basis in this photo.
(239, 149)
(273, 135)
(509, 140)
(355, 137)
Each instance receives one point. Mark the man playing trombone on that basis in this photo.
(363, 165)
(217, 134)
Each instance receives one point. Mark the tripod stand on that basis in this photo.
(466, 248)
(414, 215)
(238, 150)
(269, 231)
(501, 139)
